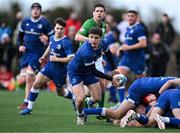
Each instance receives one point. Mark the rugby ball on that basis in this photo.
(122, 79)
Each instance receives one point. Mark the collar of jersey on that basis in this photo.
(36, 19)
(130, 27)
(93, 48)
(59, 38)
(94, 22)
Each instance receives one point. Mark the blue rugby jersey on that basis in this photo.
(132, 36)
(86, 56)
(32, 31)
(60, 48)
(148, 85)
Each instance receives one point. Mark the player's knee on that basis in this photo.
(97, 99)
(29, 78)
(80, 99)
(37, 85)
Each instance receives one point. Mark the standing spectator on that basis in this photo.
(159, 56)
(73, 22)
(5, 28)
(166, 30)
(33, 38)
(6, 50)
(6, 47)
(71, 35)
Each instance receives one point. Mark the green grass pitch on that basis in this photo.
(52, 114)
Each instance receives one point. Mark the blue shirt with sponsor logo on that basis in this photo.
(144, 86)
(33, 29)
(86, 56)
(148, 85)
(133, 34)
(60, 48)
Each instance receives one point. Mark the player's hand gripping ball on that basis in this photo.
(121, 79)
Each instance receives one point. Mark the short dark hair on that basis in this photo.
(133, 11)
(165, 15)
(60, 21)
(96, 31)
(36, 5)
(99, 5)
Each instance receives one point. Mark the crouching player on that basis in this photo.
(138, 89)
(60, 50)
(167, 102)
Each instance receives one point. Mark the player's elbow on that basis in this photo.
(170, 82)
(143, 43)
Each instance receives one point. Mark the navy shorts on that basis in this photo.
(30, 59)
(87, 79)
(136, 65)
(57, 75)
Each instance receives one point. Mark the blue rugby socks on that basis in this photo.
(121, 92)
(32, 97)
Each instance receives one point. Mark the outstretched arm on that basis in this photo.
(173, 82)
(102, 75)
(81, 38)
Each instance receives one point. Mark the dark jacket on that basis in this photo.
(159, 54)
(166, 33)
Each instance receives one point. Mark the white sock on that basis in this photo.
(66, 92)
(26, 100)
(165, 119)
(73, 98)
(80, 114)
(34, 90)
(30, 105)
(103, 113)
